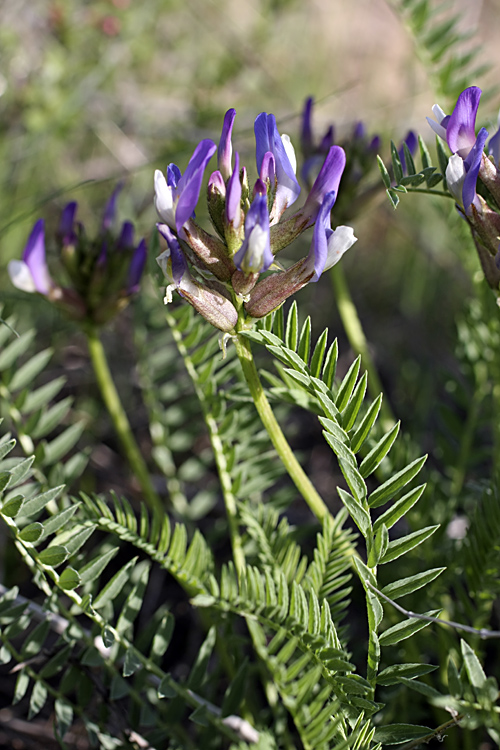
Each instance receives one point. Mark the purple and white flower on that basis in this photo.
(255, 256)
(176, 195)
(31, 274)
(459, 128)
(268, 139)
(328, 245)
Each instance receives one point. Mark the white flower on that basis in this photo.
(20, 275)
(290, 151)
(164, 199)
(455, 176)
(339, 243)
(436, 126)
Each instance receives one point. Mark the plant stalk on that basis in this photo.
(294, 469)
(119, 418)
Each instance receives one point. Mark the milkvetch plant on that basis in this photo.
(220, 273)
(287, 593)
(103, 272)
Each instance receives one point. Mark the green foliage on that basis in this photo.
(42, 426)
(443, 47)
(234, 618)
(423, 181)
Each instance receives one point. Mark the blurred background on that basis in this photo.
(95, 91)
(100, 90)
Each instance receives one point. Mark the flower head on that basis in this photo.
(220, 274)
(104, 272)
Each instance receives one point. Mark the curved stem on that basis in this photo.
(119, 418)
(294, 469)
(357, 339)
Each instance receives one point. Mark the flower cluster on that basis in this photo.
(221, 273)
(357, 185)
(102, 273)
(473, 176)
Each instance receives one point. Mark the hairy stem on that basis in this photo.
(119, 418)
(218, 449)
(294, 469)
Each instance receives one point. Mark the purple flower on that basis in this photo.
(104, 271)
(267, 138)
(494, 148)
(126, 239)
(31, 273)
(411, 143)
(216, 183)
(462, 174)
(172, 260)
(327, 181)
(110, 209)
(268, 170)
(225, 149)
(67, 234)
(233, 197)
(313, 154)
(176, 197)
(255, 253)
(328, 245)
(459, 128)
(136, 267)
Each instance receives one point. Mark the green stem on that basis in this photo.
(218, 449)
(467, 441)
(294, 469)
(357, 339)
(119, 418)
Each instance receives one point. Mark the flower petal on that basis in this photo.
(494, 148)
(110, 209)
(341, 239)
(136, 267)
(318, 252)
(461, 128)
(267, 138)
(472, 165)
(255, 253)
(178, 265)
(164, 199)
(34, 257)
(189, 185)
(233, 197)
(225, 149)
(327, 181)
(20, 276)
(455, 176)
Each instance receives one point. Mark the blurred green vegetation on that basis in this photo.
(96, 91)
(92, 92)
